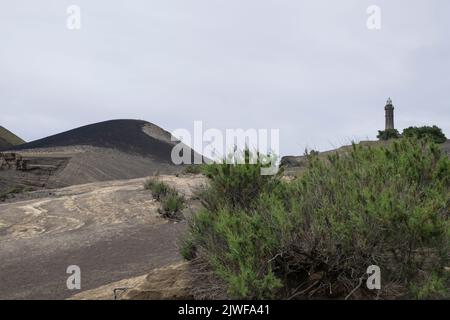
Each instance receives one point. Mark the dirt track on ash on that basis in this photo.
(111, 230)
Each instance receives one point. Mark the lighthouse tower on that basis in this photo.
(389, 111)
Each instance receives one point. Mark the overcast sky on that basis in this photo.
(309, 68)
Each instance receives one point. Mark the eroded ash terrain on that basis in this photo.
(111, 230)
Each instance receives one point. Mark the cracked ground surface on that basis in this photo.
(111, 230)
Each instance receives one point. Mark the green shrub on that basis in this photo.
(434, 286)
(149, 184)
(435, 133)
(187, 248)
(388, 134)
(158, 188)
(237, 185)
(172, 205)
(385, 206)
(316, 236)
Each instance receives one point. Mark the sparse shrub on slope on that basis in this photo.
(172, 203)
(385, 206)
(158, 188)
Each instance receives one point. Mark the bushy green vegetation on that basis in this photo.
(172, 203)
(236, 186)
(435, 133)
(388, 134)
(316, 236)
(425, 132)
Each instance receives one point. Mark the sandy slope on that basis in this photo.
(85, 164)
(110, 229)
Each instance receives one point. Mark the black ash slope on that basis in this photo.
(123, 135)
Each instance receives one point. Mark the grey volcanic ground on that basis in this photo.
(112, 230)
(89, 209)
(85, 164)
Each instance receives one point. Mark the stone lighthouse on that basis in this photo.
(389, 111)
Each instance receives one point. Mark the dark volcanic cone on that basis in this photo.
(110, 150)
(129, 136)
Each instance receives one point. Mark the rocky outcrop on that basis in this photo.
(173, 282)
(169, 282)
(183, 280)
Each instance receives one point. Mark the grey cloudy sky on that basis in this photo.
(310, 68)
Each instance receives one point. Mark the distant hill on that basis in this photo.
(8, 139)
(110, 150)
(129, 136)
(295, 164)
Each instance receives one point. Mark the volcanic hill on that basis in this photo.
(110, 150)
(8, 139)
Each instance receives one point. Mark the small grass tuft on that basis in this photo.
(172, 203)
(158, 188)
